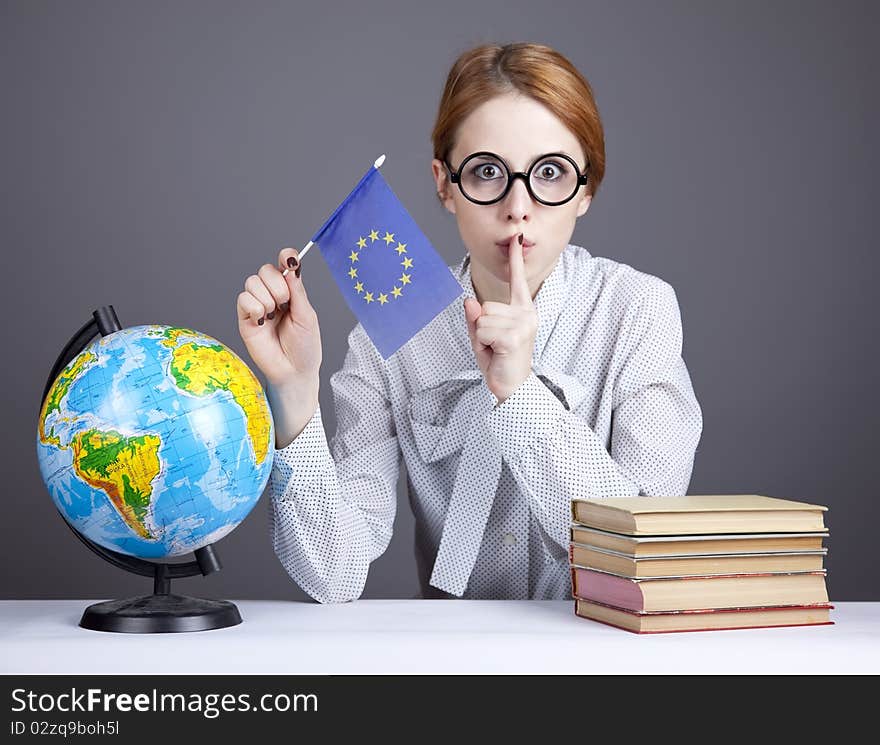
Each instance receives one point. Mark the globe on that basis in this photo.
(155, 441)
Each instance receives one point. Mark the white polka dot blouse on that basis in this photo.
(608, 410)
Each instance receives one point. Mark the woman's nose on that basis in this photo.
(518, 201)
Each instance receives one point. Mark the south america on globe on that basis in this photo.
(155, 441)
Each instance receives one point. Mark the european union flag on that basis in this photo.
(386, 268)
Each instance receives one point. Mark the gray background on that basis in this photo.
(157, 153)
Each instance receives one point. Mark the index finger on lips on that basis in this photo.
(519, 287)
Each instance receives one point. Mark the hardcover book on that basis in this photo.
(718, 543)
(725, 513)
(706, 620)
(664, 566)
(699, 592)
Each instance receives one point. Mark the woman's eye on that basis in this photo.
(487, 171)
(550, 170)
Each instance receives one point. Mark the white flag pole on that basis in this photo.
(378, 164)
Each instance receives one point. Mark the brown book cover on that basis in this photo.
(711, 619)
(698, 514)
(606, 560)
(639, 546)
(699, 591)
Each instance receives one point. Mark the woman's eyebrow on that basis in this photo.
(548, 152)
(535, 157)
(532, 159)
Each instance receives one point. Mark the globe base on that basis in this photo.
(160, 614)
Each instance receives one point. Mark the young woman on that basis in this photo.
(559, 376)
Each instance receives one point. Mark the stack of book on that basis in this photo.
(697, 563)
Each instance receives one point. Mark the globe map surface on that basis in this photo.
(155, 441)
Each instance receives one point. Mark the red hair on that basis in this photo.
(535, 70)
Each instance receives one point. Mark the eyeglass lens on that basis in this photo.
(484, 178)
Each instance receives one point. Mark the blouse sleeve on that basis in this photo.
(333, 504)
(556, 456)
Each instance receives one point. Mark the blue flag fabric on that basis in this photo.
(387, 270)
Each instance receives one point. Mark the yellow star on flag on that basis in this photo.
(359, 287)
(401, 248)
(353, 273)
(362, 242)
(407, 263)
(374, 236)
(383, 298)
(389, 237)
(369, 297)
(404, 278)
(396, 291)
(353, 256)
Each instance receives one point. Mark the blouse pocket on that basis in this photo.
(428, 411)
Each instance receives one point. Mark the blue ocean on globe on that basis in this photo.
(155, 441)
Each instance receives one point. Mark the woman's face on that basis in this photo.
(518, 129)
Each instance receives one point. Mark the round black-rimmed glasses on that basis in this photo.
(552, 179)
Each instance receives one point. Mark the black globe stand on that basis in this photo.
(162, 611)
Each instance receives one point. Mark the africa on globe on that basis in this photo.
(155, 441)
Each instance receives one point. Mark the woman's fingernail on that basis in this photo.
(284, 307)
(261, 322)
(271, 315)
(520, 239)
(292, 262)
(298, 270)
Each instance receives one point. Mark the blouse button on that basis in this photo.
(509, 539)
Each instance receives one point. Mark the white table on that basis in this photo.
(426, 636)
